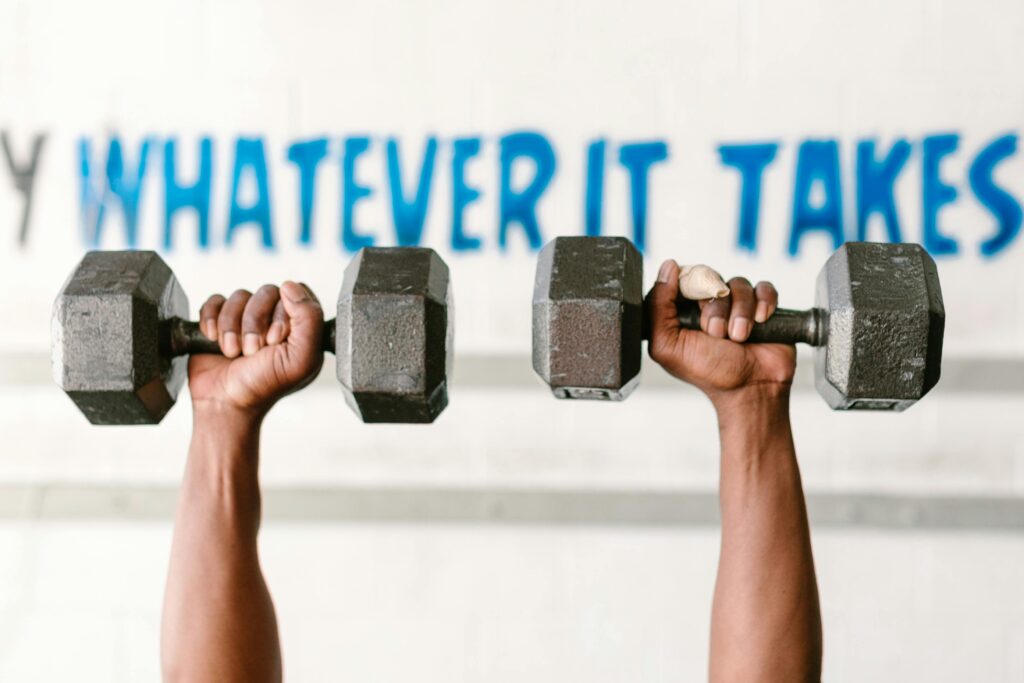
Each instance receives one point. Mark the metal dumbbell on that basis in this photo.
(877, 324)
(120, 335)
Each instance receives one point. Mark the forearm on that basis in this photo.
(766, 624)
(219, 622)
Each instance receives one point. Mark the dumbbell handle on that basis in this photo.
(180, 337)
(786, 326)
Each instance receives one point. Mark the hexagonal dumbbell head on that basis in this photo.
(394, 335)
(885, 326)
(587, 307)
(105, 352)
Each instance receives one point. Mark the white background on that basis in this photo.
(470, 601)
(693, 74)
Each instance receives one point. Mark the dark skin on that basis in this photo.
(765, 620)
(219, 622)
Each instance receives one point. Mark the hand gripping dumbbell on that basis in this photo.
(877, 324)
(120, 334)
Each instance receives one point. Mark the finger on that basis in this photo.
(256, 318)
(714, 316)
(663, 313)
(767, 301)
(741, 315)
(309, 292)
(278, 331)
(229, 322)
(305, 318)
(208, 315)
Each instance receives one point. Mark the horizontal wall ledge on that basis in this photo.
(967, 374)
(63, 502)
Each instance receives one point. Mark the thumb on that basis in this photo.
(305, 316)
(662, 312)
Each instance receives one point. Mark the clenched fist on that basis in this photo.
(272, 346)
(710, 358)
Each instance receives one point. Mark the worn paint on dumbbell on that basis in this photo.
(885, 326)
(394, 335)
(120, 334)
(586, 334)
(105, 346)
(878, 336)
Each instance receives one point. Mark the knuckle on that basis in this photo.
(658, 350)
(741, 282)
(747, 301)
(716, 308)
(212, 304)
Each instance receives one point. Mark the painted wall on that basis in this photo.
(249, 141)
(253, 141)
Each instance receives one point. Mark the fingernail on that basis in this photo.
(716, 327)
(295, 293)
(739, 328)
(310, 294)
(274, 333)
(665, 272)
(761, 314)
(210, 328)
(250, 343)
(230, 344)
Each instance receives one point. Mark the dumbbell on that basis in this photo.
(120, 335)
(876, 326)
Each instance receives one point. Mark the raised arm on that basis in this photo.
(765, 622)
(218, 621)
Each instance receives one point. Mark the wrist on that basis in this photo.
(221, 416)
(221, 475)
(225, 441)
(762, 406)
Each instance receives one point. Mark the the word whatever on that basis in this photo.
(108, 180)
